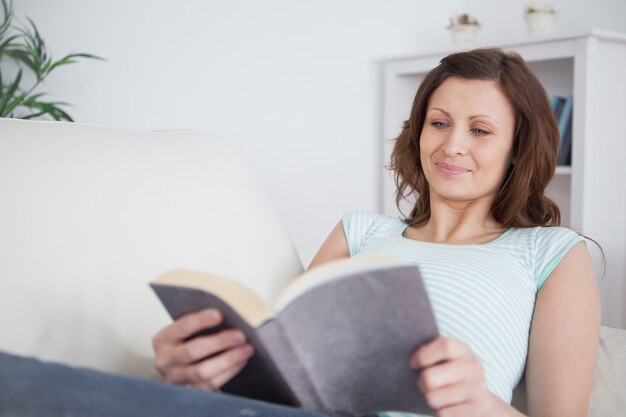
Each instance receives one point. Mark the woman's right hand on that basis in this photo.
(204, 362)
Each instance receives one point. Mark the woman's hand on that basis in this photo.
(453, 380)
(204, 362)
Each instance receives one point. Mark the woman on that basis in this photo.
(510, 290)
(480, 148)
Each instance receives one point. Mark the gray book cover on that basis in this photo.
(342, 347)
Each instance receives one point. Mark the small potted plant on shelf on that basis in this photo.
(463, 29)
(540, 18)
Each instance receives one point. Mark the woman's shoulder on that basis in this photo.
(367, 219)
(362, 226)
(544, 241)
(547, 246)
(546, 233)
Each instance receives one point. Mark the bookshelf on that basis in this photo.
(591, 193)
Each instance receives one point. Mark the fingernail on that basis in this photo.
(213, 314)
(238, 336)
(246, 351)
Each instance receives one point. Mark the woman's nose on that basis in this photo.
(456, 142)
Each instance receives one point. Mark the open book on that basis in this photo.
(338, 338)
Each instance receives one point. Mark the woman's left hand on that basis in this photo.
(453, 380)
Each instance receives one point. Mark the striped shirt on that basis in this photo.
(482, 294)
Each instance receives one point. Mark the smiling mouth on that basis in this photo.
(447, 169)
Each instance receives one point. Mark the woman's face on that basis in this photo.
(467, 139)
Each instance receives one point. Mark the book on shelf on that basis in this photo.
(337, 339)
(565, 132)
(557, 103)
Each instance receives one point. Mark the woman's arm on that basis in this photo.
(564, 339)
(334, 247)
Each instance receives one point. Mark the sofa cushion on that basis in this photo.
(608, 395)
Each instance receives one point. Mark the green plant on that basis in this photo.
(22, 47)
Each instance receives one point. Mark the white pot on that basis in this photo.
(540, 22)
(464, 34)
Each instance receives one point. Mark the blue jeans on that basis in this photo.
(29, 387)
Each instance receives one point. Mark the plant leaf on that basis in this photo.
(21, 55)
(45, 67)
(11, 105)
(46, 108)
(57, 113)
(71, 59)
(6, 44)
(35, 58)
(84, 55)
(35, 47)
(64, 61)
(11, 89)
(32, 99)
(37, 41)
(64, 116)
(33, 115)
(7, 9)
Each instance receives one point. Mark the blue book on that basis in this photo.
(557, 103)
(565, 131)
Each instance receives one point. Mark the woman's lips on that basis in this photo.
(447, 169)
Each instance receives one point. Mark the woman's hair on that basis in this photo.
(520, 201)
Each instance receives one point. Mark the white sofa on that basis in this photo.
(89, 215)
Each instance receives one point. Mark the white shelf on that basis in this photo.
(563, 170)
(590, 192)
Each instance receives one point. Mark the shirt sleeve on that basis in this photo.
(356, 226)
(551, 245)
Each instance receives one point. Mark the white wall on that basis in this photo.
(295, 82)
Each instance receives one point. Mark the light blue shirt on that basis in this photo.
(482, 294)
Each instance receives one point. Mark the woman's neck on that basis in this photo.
(457, 222)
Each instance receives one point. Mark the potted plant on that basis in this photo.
(463, 29)
(540, 18)
(22, 50)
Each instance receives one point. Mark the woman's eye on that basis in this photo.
(439, 125)
(480, 132)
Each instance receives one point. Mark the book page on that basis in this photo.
(243, 300)
(330, 271)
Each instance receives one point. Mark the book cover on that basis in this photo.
(565, 131)
(338, 339)
(557, 103)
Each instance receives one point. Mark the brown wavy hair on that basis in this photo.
(520, 201)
